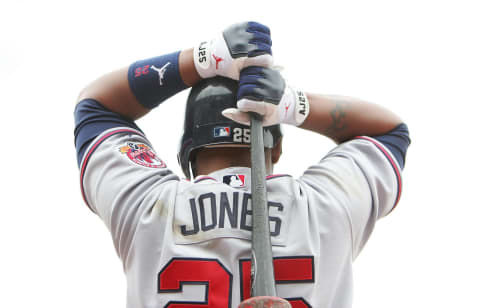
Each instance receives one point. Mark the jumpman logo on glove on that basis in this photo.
(217, 60)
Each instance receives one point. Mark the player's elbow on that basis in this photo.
(397, 141)
(84, 94)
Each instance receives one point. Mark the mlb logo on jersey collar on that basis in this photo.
(221, 131)
(234, 180)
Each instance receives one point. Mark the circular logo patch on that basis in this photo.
(142, 155)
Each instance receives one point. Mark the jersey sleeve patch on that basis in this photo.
(392, 162)
(141, 154)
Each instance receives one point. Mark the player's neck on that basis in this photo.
(211, 160)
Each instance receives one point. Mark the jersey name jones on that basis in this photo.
(213, 210)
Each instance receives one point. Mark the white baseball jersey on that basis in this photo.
(187, 244)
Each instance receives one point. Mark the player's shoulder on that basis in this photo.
(359, 145)
(367, 153)
(347, 165)
(358, 169)
(281, 183)
(126, 143)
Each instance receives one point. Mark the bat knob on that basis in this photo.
(265, 302)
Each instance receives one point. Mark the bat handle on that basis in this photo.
(263, 279)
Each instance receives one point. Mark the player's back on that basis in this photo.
(193, 244)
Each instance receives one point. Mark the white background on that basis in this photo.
(419, 58)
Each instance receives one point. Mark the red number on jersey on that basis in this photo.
(287, 270)
(218, 280)
(208, 272)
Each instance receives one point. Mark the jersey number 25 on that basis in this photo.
(218, 280)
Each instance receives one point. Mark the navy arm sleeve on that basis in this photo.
(92, 119)
(397, 141)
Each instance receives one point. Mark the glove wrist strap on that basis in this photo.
(297, 110)
(202, 59)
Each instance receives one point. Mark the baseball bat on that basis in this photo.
(263, 278)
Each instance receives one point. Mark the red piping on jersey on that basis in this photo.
(204, 178)
(273, 176)
(392, 162)
(92, 149)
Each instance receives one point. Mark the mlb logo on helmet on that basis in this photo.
(234, 180)
(221, 131)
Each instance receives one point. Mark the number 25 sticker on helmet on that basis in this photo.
(205, 126)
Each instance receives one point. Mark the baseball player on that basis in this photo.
(186, 242)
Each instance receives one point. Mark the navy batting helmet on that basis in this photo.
(205, 125)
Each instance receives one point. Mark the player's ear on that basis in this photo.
(277, 151)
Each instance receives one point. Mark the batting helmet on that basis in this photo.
(205, 126)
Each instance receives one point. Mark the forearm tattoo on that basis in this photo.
(338, 115)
